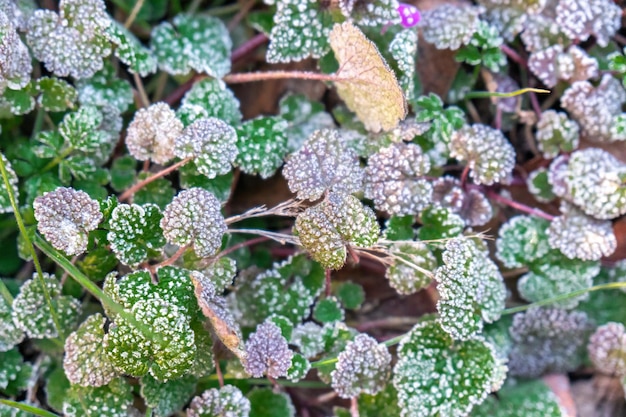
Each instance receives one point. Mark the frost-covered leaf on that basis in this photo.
(10, 333)
(211, 142)
(489, 155)
(403, 48)
(556, 133)
(303, 117)
(395, 179)
(12, 371)
(192, 42)
(301, 30)
(522, 240)
(579, 236)
(228, 401)
(267, 352)
(54, 94)
(323, 164)
(471, 205)
(104, 89)
(339, 221)
(579, 19)
(16, 103)
(165, 398)
(328, 310)
(367, 85)
(363, 367)
(5, 202)
(607, 349)
(207, 98)
(130, 51)
(116, 398)
(194, 218)
(262, 145)
(299, 368)
(309, 339)
(78, 32)
(31, 312)
(159, 192)
(436, 375)
(483, 48)
(594, 180)
(553, 275)
(85, 361)
(449, 26)
(221, 273)
(65, 217)
(440, 223)
(554, 63)
(547, 340)
(403, 274)
(539, 186)
(133, 354)
(371, 12)
(152, 133)
(443, 122)
(16, 66)
(267, 403)
(81, 130)
(470, 287)
(521, 399)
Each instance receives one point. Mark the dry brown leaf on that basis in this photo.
(367, 84)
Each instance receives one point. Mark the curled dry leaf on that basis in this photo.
(368, 86)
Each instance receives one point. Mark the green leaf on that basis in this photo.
(56, 388)
(12, 369)
(31, 312)
(399, 228)
(49, 144)
(116, 398)
(412, 267)
(328, 310)
(54, 94)
(339, 221)
(440, 223)
(304, 117)
(425, 355)
(471, 289)
(80, 167)
(220, 186)
(192, 42)
(539, 185)
(384, 403)
(105, 89)
(15, 103)
(484, 48)
(605, 306)
(522, 240)
(131, 353)
(524, 399)
(227, 401)
(262, 20)
(299, 368)
(134, 233)
(149, 11)
(123, 172)
(97, 263)
(221, 273)
(5, 202)
(209, 97)
(301, 30)
(351, 295)
(159, 192)
(267, 403)
(10, 334)
(130, 51)
(85, 361)
(165, 398)
(262, 145)
(81, 129)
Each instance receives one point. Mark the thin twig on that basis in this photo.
(133, 14)
(170, 260)
(145, 101)
(519, 206)
(126, 195)
(243, 11)
(245, 244)
(281, 238)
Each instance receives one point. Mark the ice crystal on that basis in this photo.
(395, 179)
(77, 32)
(579, 19)
(65, 217)
(304, 117)
(541, 32)
(577, 235)
(470, 287)
(436, 375)
(489, 155)
(192, 42)
(470, 204)
(341, 220)
(209, 98)
(596, 109)
(556, 133)
(547, 340)
(85, 361)
(31, 311)
(522, 240)
(10, 333)
(367, 85)
(105, 89)
(228, 401)
(450, 26)
(152, 132)
(403, 48)
(16, 66)
(267, 352)
(323, 164)
(300, 367)
(402, 274)
(211, 142)
(308, 338)
(607, 349)
(262, 145)
(363, 367)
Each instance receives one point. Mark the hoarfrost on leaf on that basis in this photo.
(308, 338)
(228, 401)
(403, 48)
(579, 19)
(363, 367)
(209, 98)
(65, 217)
(522, 399)
(607, 349)
(553, 64)
(323, 164)
(471, 205)
(116, 398)
(402, 274)
(522, 240)
(152, 132)
(130, 51)
(16, 66)
(262, 145)
(166, 398)
(450, 26)
(371, 12)
(5, 202)
(556, 133)
(10, 333)
(267, 352)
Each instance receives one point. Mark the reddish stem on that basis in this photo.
(240, 245)
(327, 283)
(513, 55)
(535, 103)
(519, 206)
(464, 175)
(132, 190)
(218, 370)
(354, 407)
(248, 77)
(170, 260)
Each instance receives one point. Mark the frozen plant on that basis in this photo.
(152, 132)
(267, 352)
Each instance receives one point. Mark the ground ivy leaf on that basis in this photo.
(267, 403)
(209, 97)
(131, 353)
(267, 352)
(152, 133)
(403, 48)
(370, 88)
(123, 172)
(440, 223)
(16, 62)
(402, 274)
(522, 399)
(31, 312)
(190, 177)
(54, 94)
(328, 310)
(522, 240)
(165, 398)
(301, 30)
(192, 42)
(471, 289)
(262, 145)
(134, 232)
(227, 401)
(300, 367)
(425, 355)
(97, 263)
(16, 102)
(339, 221)
(81, 129)
(104, 88)
(10, 334)
(116, 398)
(85, 361)
(304, 117)
(11, 364)
(221, 272)
(159, 192)
(130, 51)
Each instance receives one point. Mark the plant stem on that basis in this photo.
(245, 244)
(126, 195)
(513, 55)
(145, 101)
(249, 77)
(170, 260)
(519, 206)
(133, 14)
(497, 94)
